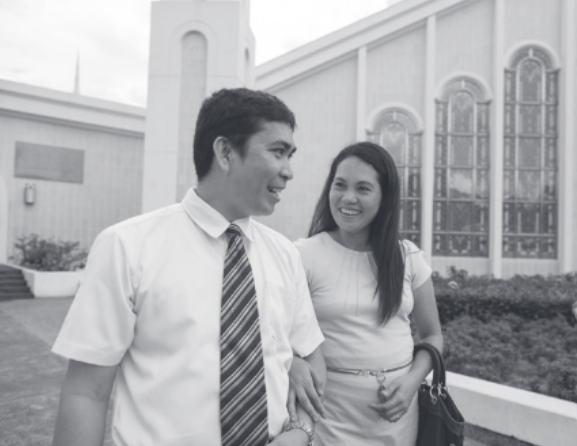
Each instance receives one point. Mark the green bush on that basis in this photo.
(530, 297)
(34, 252)
(519, 332)
(479, 349)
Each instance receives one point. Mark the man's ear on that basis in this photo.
(222, 152)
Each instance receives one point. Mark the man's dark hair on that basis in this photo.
(235, 114)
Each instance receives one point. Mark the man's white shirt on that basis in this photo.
(150, 301)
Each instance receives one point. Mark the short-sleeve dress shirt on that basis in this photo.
(150, 301)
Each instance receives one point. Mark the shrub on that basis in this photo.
(530, 297)
(519, 332)
(561, 377)
(34, 252)
(479, 349)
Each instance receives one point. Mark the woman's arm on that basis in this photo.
(398, 395)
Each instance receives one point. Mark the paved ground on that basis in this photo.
(31, 376)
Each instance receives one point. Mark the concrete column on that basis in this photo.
(428, 168)
(497, 135)
(567, 121)
(184, 35)
(3, 221)
(361, 92)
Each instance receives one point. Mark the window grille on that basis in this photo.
(530, 198)
(461, 191)
(396, 131)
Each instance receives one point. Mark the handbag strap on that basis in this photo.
(439, 375)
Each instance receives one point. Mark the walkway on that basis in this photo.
(30, 375)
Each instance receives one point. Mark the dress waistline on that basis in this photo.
(379, 374)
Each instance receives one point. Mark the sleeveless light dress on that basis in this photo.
(342, 284)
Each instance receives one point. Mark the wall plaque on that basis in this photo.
(49, 163)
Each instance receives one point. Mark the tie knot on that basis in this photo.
(233, 231)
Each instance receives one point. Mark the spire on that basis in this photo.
(77, 77)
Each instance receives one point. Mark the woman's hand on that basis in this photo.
(293, 437)
(396, 397)
(306, 386)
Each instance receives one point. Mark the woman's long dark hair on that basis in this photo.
(384, 229)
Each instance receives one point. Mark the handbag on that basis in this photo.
(440, 422)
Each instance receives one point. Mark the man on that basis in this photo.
(194, 311)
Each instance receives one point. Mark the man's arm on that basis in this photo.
(83, 404)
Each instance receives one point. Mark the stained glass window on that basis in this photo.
(396, 131)
(530, 157)
(461, 194)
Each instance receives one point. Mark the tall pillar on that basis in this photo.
(3, 221)
(496, 209)
(568, 139)
(361, 93)
(196, 48)
(429, 138)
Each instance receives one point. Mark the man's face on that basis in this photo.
(258, 178)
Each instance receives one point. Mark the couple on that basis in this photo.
(195, 312)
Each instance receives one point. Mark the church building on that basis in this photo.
(475, 99)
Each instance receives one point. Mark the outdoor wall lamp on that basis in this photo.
(29, 194)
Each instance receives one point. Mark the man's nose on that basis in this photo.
(286, 170)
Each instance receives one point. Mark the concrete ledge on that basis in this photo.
(52, 283)
(537, 419)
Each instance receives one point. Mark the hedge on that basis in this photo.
(529, 297)
(519, 332)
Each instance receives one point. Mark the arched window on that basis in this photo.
(193, 66)
(530, 156)
(395, 129)
(461, 195)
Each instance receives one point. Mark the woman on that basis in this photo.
(364, 284)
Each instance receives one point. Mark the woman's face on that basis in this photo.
(355, 196)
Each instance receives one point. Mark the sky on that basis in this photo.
(40, 40)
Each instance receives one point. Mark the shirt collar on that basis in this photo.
(209, 219)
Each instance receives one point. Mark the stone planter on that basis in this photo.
(52, 283)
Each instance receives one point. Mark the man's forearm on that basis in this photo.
(81, 421)
(83, 404)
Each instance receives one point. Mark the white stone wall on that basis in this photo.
(324, 104)
(395, 72)
(111, 190)
(464, 41)
(533, 20)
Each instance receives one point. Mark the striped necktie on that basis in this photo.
(243, 403)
